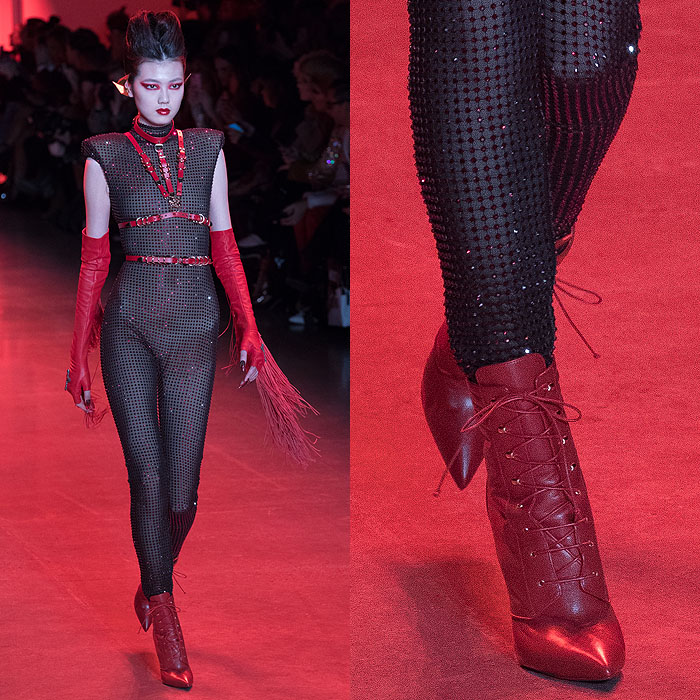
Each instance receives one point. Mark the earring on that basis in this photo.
(119, 84)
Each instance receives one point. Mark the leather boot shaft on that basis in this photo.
(536, 494)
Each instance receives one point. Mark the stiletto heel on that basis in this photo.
(169, 642)
(447, 405)
(142, 608)
(563, 624)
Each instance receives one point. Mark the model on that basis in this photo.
(514, 105)
(158, 331)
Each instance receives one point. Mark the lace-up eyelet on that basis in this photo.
(509, 454)
(595, 573)
(572, 467)
(526, 529)
(532, 554)
(521, 505)
(541, 582)
(563, 440)
(515, 481)
(577, 492)
(591, 544)
(501, 428)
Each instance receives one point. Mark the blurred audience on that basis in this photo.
(271, 74)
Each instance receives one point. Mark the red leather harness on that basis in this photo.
(173, 198)
(143, 220)
(191, 260)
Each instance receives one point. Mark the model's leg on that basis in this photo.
(588, 65)
(480, 151)
(130, 374)
(184, 401)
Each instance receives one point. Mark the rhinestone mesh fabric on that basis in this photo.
(158, 341)
(513, 107)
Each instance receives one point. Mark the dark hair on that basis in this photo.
(153, 36)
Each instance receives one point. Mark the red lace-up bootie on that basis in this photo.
(563, 624)
(141, 604)
(170, 645)
(142, 608)
(447, 403)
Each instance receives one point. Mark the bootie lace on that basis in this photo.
(553, 409)
(167, 631)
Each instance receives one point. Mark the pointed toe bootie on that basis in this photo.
(141, 604)
(563, 624)
(447, 404)
(169, 642)
(447, 401)
(142, 608)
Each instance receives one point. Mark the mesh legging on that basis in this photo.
(158, 343)
(513, 106)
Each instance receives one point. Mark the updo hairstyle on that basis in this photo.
(153, 36)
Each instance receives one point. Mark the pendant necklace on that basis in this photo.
(173, 197)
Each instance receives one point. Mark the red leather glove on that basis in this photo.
(282, 403)
(229, 269)
(95, 257)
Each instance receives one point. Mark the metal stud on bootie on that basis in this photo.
(563, 624)
(169, 642)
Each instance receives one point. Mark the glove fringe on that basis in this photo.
(282, 405)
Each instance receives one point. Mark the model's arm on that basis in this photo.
(97, 203)
(228, 267)
(95, 258)
(219, 214)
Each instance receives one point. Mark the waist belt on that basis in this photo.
(192, 260)
(143, 220)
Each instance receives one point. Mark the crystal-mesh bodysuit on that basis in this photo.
(513, 104)
(158, 340)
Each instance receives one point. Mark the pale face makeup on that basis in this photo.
(158, 85)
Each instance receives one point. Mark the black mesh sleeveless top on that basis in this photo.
(159, 336)
(133, 192)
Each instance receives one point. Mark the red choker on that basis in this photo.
(148, 137)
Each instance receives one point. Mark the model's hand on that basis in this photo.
(78, 386)
(251, 356)
(252, 373)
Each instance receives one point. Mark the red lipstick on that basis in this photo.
(163, 110)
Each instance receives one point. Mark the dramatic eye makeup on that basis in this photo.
(149, 85)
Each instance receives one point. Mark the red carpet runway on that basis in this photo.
(429, 611)
(265, 613)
